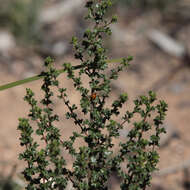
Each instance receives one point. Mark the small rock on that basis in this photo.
(176, 88)
(171, 133)
(59, 48)
(7, 42)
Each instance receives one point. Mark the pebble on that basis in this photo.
(7, 42)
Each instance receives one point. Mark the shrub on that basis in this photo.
(94, 160)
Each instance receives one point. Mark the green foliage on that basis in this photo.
(94, 160)
(21, 17)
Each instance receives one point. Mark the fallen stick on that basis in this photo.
(173, 48)
(166, 43)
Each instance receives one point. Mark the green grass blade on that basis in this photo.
(37, 77)
(20, 82)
